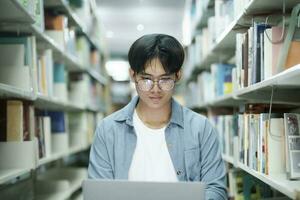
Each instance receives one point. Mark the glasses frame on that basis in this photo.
(155, 80)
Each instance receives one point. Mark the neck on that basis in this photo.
(154, 118)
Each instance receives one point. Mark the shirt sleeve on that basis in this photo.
(213, 167)
(99, 164)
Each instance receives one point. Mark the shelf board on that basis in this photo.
(53, 103)
(97, 76)
(62, 195)
(285, 86)
(256, 7)
(227, 100)
(279, 182)
(12, 11)
(228, 159)
(8, 174)
(14, 92)
(285, 89)
(56, 156)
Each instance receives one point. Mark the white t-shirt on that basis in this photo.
(151, 159)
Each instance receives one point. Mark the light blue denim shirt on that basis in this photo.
(192, 143)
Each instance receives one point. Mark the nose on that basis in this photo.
(155, 88)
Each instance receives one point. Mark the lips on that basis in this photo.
(155, 98)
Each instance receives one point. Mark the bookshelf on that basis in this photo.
(281, 88)
(224, 46)
(20, 18)
(278, 181)
(285, 86)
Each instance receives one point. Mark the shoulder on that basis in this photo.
(198, 124)
(108, 123)
(191, 118)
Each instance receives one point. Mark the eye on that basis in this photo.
(146, 78)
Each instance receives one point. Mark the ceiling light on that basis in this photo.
(118, 69)
(110, 34)
(140, 27)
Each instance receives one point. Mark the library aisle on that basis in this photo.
(64, 67)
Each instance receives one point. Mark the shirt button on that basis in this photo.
(179, 172)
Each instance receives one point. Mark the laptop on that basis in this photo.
(101, 189)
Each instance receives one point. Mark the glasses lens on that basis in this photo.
(166, 84)
(145, 84)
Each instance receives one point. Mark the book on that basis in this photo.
(14, 131)
(55, 22)
(292, 138)
(12, 55)
(57, 122)
(60, 84)
(3, 119)
(275, 140)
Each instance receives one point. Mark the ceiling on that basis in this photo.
(121, 18)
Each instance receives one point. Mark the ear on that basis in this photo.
(178, 75)
(131, 74)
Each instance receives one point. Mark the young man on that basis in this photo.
(154, 138)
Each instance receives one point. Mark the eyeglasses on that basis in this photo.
(146, 84)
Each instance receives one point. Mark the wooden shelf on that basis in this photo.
(12, 11)
(279, 181)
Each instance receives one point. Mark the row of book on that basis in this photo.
(57, 28)
(55, 131)
(39, 71)
(205, 38)
(243, 186)
(267, 143)
(211, 85)
(258, 50)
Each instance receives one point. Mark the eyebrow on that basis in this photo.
(146, 74)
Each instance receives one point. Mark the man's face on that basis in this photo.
(154, 86)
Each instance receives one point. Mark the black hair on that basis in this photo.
(164, 47)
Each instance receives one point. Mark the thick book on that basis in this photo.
(3, 117)
(57, 122)
(14, 131)
(275, 141)
(258, 30)
(12, 55)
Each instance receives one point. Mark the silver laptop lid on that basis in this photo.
(132, 190)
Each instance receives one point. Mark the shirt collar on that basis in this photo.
(126, 113)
